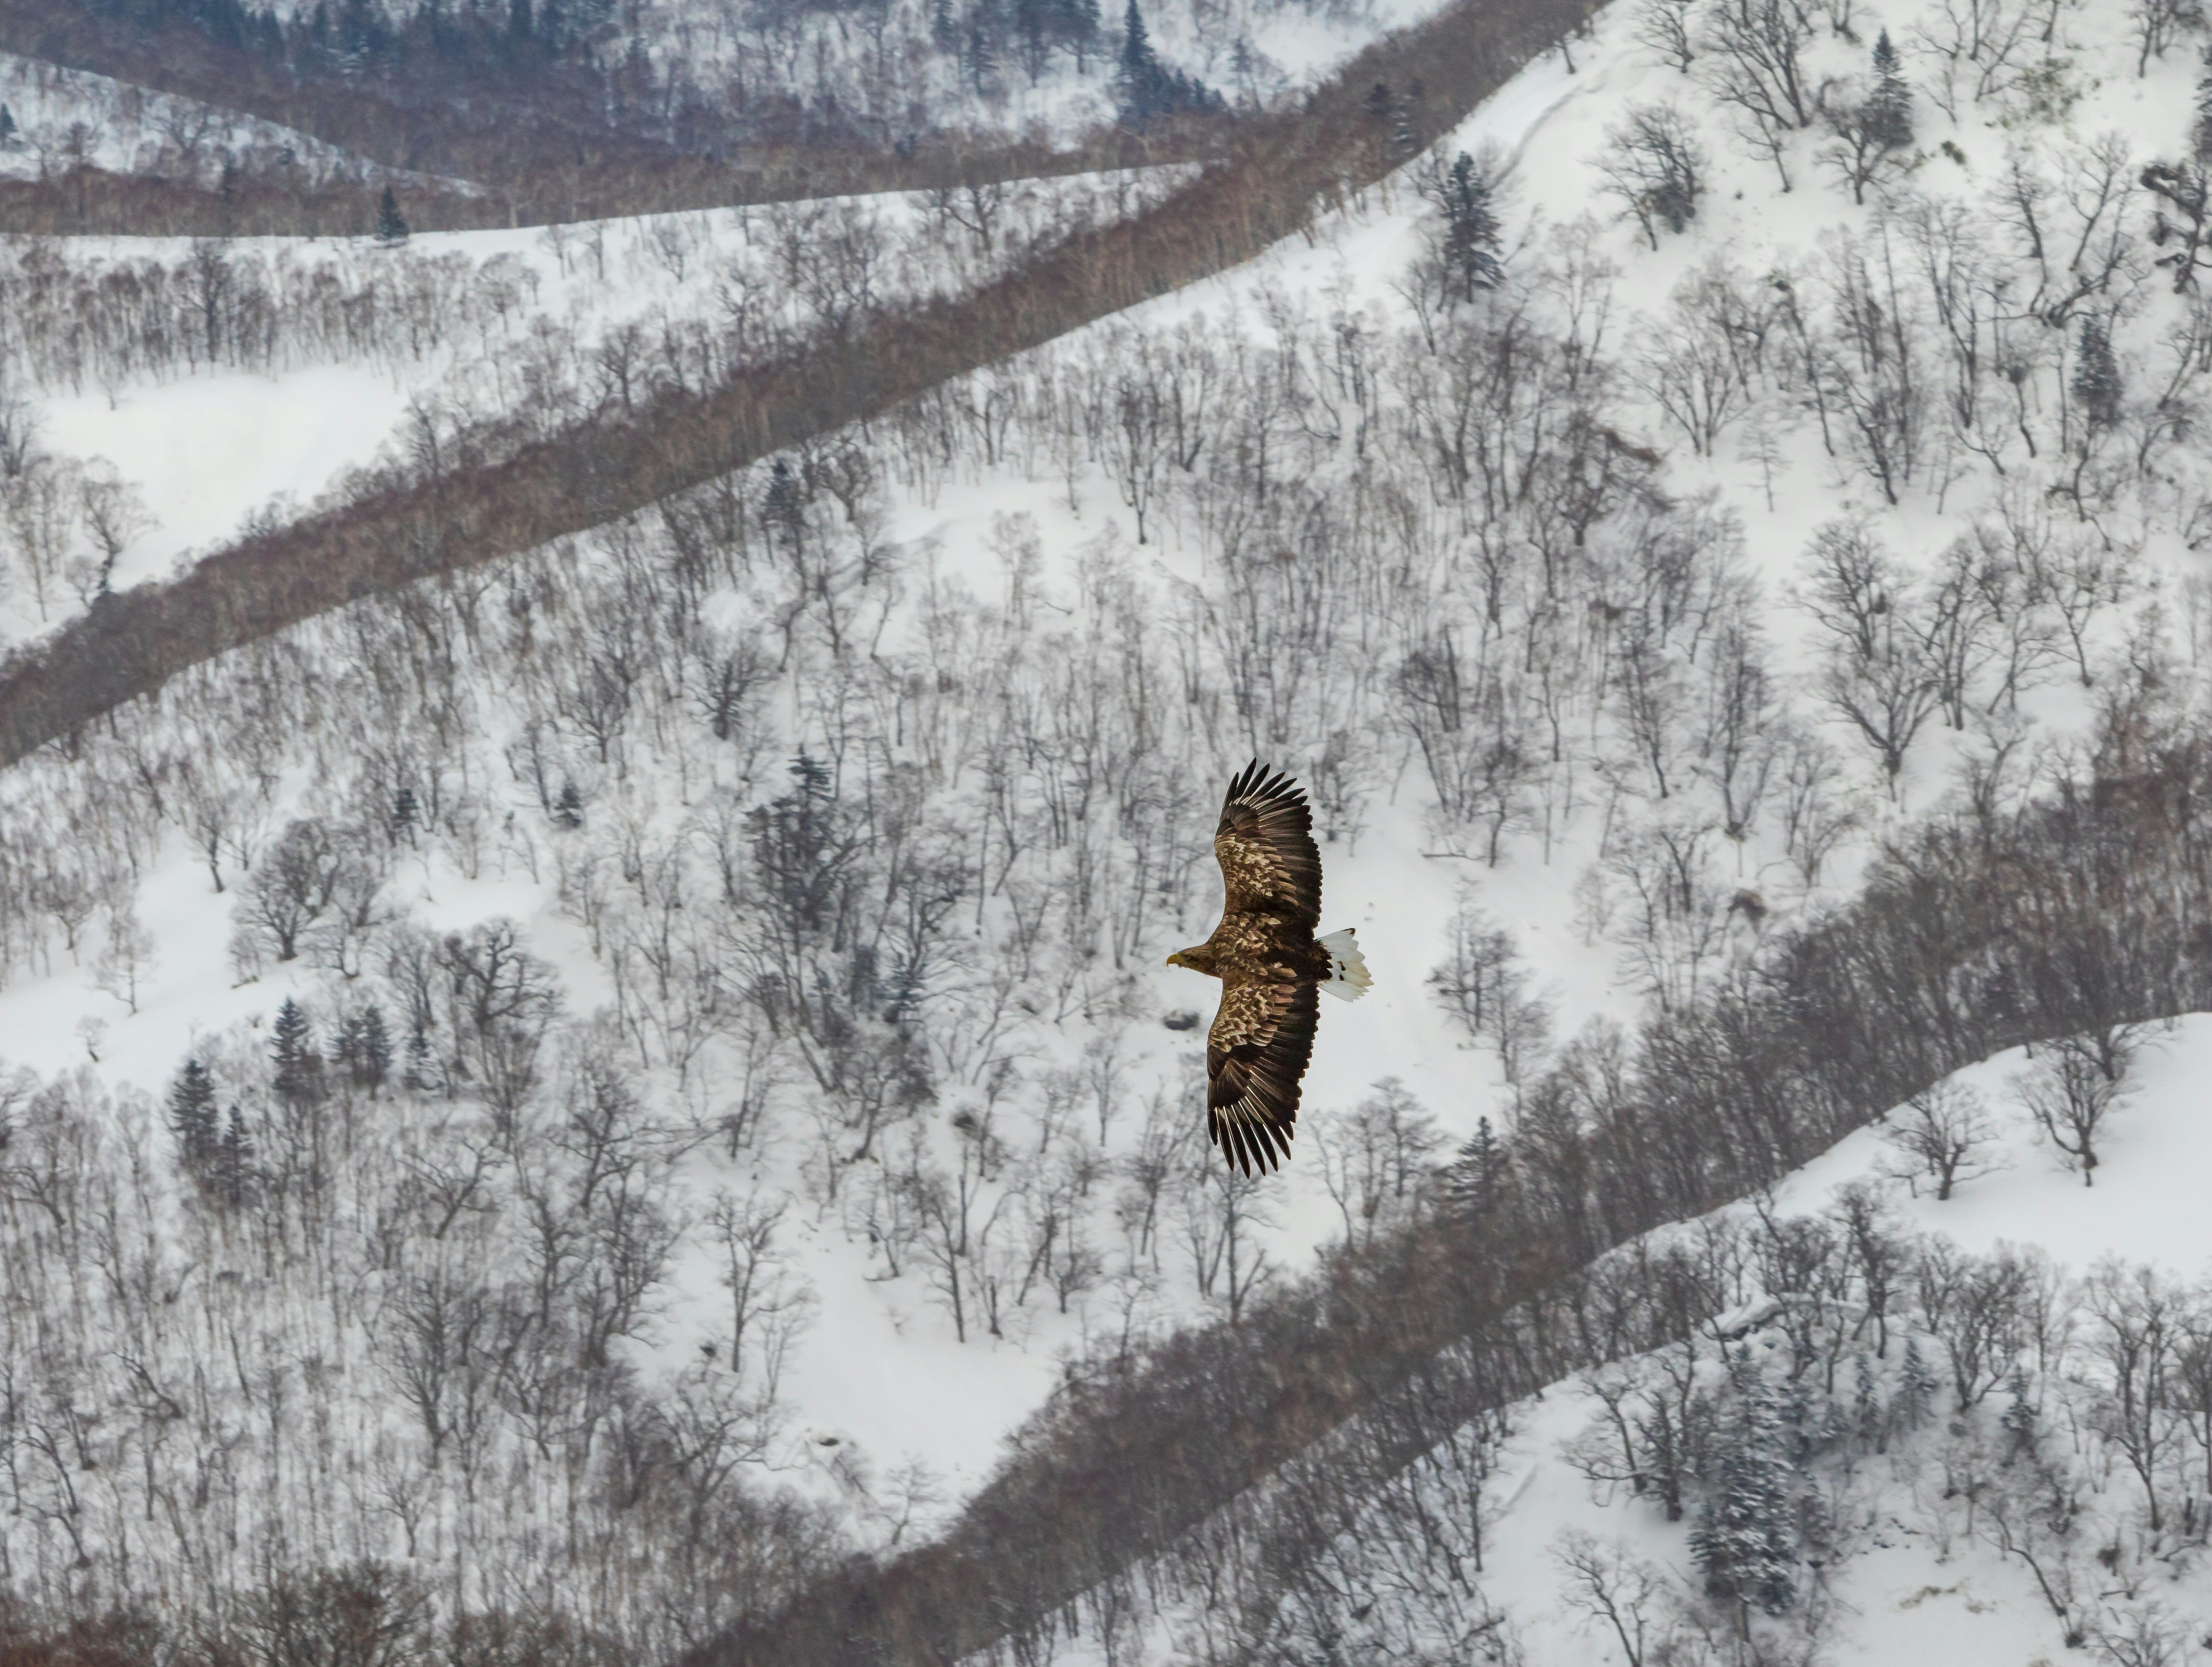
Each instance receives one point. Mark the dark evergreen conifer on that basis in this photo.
(784, 509)
(1137, 58)
(1472, 235)
(1475, 1183)
(1149, 87)
(1034, 25)
(290, 1033)
(233, 1169)
(364, 1049)
(982, 57)
(1745, 1542)
(1800, 1422)
(2019, 1413)
(299, 1078)
(1917, 1385)
(192, 1117)
(568, 807)
(1867, 1419)
(1889, 113)
(391, 224)
(900, 993)
(2097, 386)
(7, 128)
(422, 1074)
(1140, 75)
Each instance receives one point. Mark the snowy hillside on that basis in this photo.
(1036, 76)
(717, 81)
(597, 1085)
(2054, 1502)
(59, 118)
(209, 386)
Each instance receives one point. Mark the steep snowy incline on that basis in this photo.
(1918, 1540)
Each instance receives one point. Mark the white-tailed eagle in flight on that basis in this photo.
(1272, 967)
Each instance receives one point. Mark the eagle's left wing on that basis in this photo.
(1265, 845)
(1255, 1055)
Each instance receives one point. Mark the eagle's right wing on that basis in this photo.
(1256, 1056)
(1264, 843)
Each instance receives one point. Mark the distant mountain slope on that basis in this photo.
(1284, 169)
(518, 99)
(1899, 1430)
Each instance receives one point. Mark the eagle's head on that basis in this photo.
(1196, 959)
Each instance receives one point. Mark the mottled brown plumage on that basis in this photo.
(1271, 966)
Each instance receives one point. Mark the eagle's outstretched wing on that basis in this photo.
(1255, 1054)
(1264, 843)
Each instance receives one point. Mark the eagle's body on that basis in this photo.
(1271, 965)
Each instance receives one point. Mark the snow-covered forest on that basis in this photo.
(623, 1100)
(421, 343)
(709, 80)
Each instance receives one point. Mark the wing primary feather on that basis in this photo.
(1256, 1056)
(1265, 845)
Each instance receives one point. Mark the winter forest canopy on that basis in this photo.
(592, 808)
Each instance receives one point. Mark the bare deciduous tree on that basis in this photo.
(767, 1306)
(1605, 1586)
(1664, 28)
(1654, 165)
(1483, 985)
(295, 882)
(1375, 1160)
(2073, 1087)
(1942, 1135)
(1977, 46)
(1878, 676)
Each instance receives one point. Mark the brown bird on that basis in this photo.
(1271, 966)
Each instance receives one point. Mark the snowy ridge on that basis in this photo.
(1904, 1428)
(62, 118)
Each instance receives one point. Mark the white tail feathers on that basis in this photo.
(1347, 969)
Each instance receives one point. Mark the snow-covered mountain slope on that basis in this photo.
(59, 118)
(1907, 1527)
(717, 80)
(761, 901)
(896, 69)
(218, 387)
